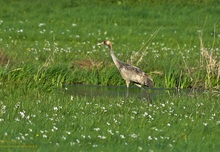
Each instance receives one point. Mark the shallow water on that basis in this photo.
(121, 91)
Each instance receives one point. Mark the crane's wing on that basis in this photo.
(132, 73)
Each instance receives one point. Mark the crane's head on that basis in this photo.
(106, 42)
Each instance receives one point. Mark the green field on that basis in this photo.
(45, 45)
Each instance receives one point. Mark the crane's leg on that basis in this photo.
(139, 85)
(148, 97)
(127, 84)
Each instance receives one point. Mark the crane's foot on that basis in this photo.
(127, 94)
(148, 97)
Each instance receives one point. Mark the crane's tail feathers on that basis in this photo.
(149, 81)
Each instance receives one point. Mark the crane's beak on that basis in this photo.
(100, 43)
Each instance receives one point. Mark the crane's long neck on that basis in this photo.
(114, 58)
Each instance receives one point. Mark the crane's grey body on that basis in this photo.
(133, 74)
(128, 72)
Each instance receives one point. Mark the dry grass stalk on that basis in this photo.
(88, 64)
(4, 60)
(212, 65)
(133, 57)
(218, 69)
(136, 56)
(147, 44)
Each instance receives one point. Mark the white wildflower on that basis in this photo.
(22, 114)
(96, 129)
(122, 136)
(55, 108)
(74, 24)
(133, 135)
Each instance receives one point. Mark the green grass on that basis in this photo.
(60, 33)
(58, 121)
(45, 44)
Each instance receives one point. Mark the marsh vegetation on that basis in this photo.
(45, 45)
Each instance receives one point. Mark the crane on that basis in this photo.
(128, 72)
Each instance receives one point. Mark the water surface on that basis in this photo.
(121, 91)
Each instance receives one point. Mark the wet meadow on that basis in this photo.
(48, 46)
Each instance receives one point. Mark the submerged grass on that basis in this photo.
(44, 45)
